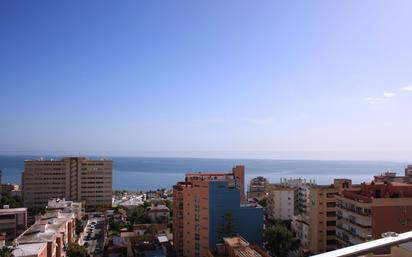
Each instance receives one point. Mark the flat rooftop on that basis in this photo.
(45, 229)
(209, 175)
(29, 250)
(13, 210)
(240, 247)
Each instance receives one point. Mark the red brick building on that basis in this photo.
(375, 208)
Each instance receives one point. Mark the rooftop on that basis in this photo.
(61, 203)
(240, 247)
(236, 241)
(367, 191)
(280, 187)
(162, 239)
(28, 250)
(209, 176)
(159, 208)
(250, 205)
(8, 210)
(46, 228)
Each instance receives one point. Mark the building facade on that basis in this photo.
(258, 187)
(210, 206)
(301, 229)
(408, 173)
(322, 215)
(281, 202)
(73, 178)
(13, 222)
(373, 209)
(9, 188)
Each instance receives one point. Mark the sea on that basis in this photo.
(151, 173)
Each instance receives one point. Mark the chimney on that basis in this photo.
(43, 227)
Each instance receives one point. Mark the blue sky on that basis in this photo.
(258, 79)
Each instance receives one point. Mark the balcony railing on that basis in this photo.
(361, 235)
(360, 220)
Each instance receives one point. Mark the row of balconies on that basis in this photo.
(354, 217)
(347, 237)
(356, 231)
(355, 209)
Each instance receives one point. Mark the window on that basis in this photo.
(331, 214)
(331, 204)
(331, 223)
(330, 195)
(330, 232)
(331, 242)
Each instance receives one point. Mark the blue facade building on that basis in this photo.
(228, 217)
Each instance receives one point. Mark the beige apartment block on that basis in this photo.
(281, 202)
(322, 215)
(72, 178)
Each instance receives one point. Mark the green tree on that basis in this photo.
(263, 202)
(227, 227)
(279, 241)
(12, 201)
(6, 251)
(75, 250)
(79, 226)
(162, 219)
(139, 216)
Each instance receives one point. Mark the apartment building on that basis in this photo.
(13, 222)
(390, 176)
(47, 237)
(73, 178)
(281, 202)
(301, 229)
(258, 187)
(373, 209)
(210, 206)
(322, 215)
(8, 188)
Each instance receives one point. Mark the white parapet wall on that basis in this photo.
(368, 247)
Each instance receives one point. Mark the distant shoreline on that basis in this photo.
(151, 173)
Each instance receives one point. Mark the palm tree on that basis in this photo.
(6, 251)
(227, 226)
(279, 241)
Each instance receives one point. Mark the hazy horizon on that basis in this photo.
(292, 155)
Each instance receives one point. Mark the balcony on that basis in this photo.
(354, 217)
(347, 237)
(360, 233)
